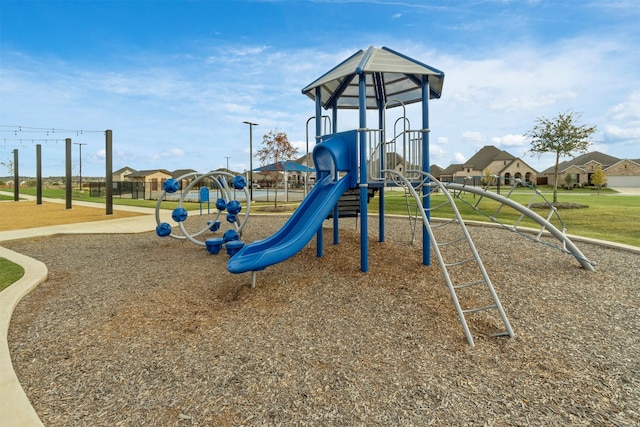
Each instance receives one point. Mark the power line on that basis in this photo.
(16, 130)
(32, 140)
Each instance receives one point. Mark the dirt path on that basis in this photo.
(28, 214)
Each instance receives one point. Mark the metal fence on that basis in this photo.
(147, 191)
(121, 189)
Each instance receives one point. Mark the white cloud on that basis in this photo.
(510, 141)
(435, 151)
(175, 152)
(617, 132)
(624, 111)
(471, 136)
(301, 146)
(459, 157)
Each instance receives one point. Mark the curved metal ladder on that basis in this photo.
(441, 251)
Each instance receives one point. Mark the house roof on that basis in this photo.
(451, 169)
(519, 160)
(485, 156)
(394, 159)
(481, 160)
(435, 170)
(389, 76)
(604, 159)
(179, 172)
(124, 169)
(142, 174)
(303, 159)
(289, 166)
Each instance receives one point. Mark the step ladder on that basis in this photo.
(349, 202)
(470, 287)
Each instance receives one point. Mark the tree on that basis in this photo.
(569, 180)
(486, 178)
(275, 149)
(599, 178)
(9, 165)
(561, 135)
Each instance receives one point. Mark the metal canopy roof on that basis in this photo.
(389, 76)
(284, 166)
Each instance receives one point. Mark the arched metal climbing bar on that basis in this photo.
(568, 245)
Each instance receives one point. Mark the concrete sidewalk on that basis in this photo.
(15, 408)
(628, 191)
(137, 224)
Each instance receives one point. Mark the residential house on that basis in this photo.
(447, 174)
(184, 182)
(153, 180)
(293, 172)
(121, 174)
(306, 161)
(625, 173)
(493, 161)
(436, 171)
(619, 172)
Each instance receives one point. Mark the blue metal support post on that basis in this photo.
(381, 126)
(319, 247)
(364, 213)
(426, 200)
(336, 210)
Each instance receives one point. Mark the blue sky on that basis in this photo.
(174, 80)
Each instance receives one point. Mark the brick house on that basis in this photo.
(625, 173)
(492, 160)
(619, 172)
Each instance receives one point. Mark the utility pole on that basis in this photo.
(251, 125)
(80, 148)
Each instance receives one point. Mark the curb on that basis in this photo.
(15, 407)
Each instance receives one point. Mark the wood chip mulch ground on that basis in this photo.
(141, 330)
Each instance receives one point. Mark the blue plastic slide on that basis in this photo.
(297, 231)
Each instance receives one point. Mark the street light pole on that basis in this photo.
(80, 149)
(251, 125)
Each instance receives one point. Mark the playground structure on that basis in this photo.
(221, 181)
(364, 161)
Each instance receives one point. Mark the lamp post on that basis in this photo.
(251, 125)
(227, 163)
(80, 149)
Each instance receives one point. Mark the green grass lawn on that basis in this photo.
(608, 215)
(9, 273)
(84, 196)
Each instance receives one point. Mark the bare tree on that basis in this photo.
(562, 136)
(9, 165)
(275, 149)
